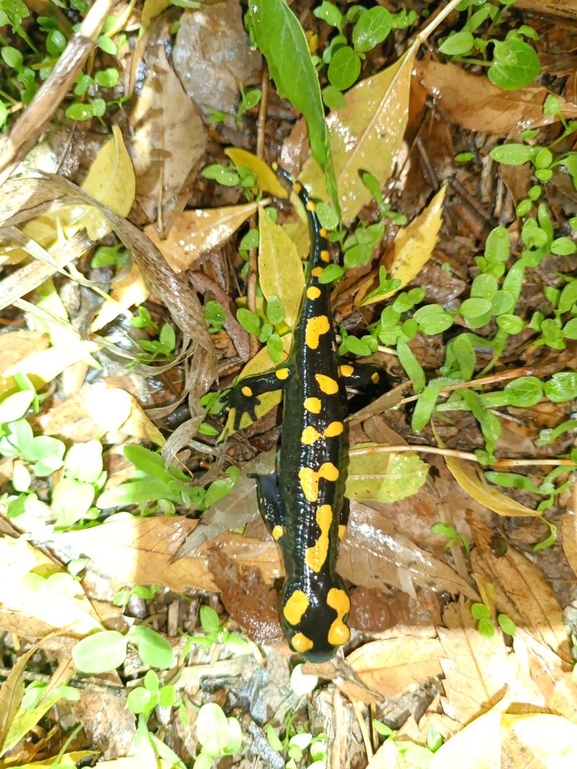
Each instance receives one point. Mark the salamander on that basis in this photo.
(303, 502)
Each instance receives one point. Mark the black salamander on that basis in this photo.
(303, 502)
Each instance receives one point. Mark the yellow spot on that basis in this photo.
(310, 436)
(322, 232)
(327, 384)
(338, 600)
(309, 479)
(375, 377)
(295, 607)
(325, 256)
(274, 165)
(346, 370)
(277, 532)
(313, 292)
(342, 531)
(316, 555)
(315, 328)
(313, 405)
(334, 429)
(311, 206)
(282, 373)
(297, 187)
(246, 391)
(316, 272)
(301, 644)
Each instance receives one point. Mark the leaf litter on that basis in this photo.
(423, 549)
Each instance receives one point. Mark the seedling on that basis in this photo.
(485, 625)
(218, 735)
(215, 632)
(106, 650)
(453, 536)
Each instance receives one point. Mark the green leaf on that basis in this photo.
(411, 365)
(458, 44)
(561, 387)
(153, 649)
(371, 29)
(506, 624)
(212, 729)
(563, 247)
(476, 311)
(464, 352)
(486, 628)
(332, 97)
(283, 43)
(484, 286)
(274, 310)
(513, 481)
(498, 245)
(344, 69)
(100, 652)
(512, 154)
(433, 319)
(329, 13)
(248, 320)
(16, 405)
(524, 392)
(480, 611)
(140, 700)
(71, 501)
(425, 407)
(80, 111)
(515, 64)
(385, 477)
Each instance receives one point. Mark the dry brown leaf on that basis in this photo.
(375, 554)
(15, 348)
(477, 670)
(112, 732)
(474, 483)
(414, 245)
(539, 740)
(96, 411)
(169, 136)
(553, 676)
(523, 583)
(392, 665)
(475, 104)
(479, 741)
(366, 135)
(566, 9)
(569, 531)
(196, 232)
(141, 551)
(51, 598)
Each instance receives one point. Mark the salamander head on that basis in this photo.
(314, 615)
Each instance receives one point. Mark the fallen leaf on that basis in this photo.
(563, 8)
(479, 741)
(385, 477)
(16, 347)
(478, 670)
(129, 291)
(366, 135)
(110, 181)
(280, 270)
(569, 531)
(375, 554)
(268, 181)
(474, 103)
(553, 676)
(524, 585)
(33, 587)
(542, 740)
(169, 136)
(196, 232)
(474, 483)
(392, 665)
(97, 411)
(414, 245)
(113, 731)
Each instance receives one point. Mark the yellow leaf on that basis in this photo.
(540, 739)
(479, 741)
(267, 179)
(111, 181)
(193, 233)
(473, 482)
(414, 245)
(127, 292)
(366, 135)
(280, 269)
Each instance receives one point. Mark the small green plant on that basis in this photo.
(267, 329)
(294, 748)
(485, 625)
(104, 256)
(410, 753)
(453, 536)
(214, 316)
(142, 700)
(218, 735)
(158, 486)
(369, 28)
(232, 176)
(215, 632)
(106, 650)
(146, 592)
(163, 347)
(511, 63)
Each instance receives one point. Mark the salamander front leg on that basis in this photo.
(244, 397)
